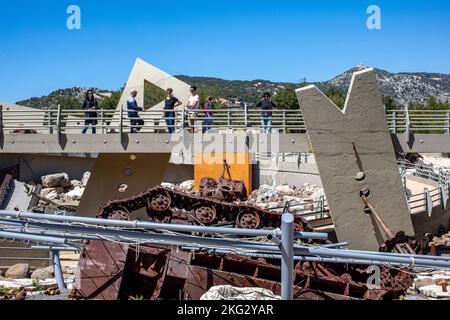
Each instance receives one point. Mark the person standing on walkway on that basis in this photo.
(133, 112)
(90, 105)
(267, 105)
(208, 120)
(169, 106)
(193, 104)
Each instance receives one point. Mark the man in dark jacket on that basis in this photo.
(267, 105)
(133, 112)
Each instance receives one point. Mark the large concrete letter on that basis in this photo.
(356, 142)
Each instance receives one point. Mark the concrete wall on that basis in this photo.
(431, 224)
(76, 165)
(32, 167)
(289, 173)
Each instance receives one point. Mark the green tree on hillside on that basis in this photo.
(111, 102)
(68, 103)
(286, 98)
(390, 104)
(336, 96)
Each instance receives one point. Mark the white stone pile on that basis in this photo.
(20, 277)
(434, 285)
(186, 186)
(60, 189)
(270, 197)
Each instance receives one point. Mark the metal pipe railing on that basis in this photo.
(160, 226)
(399, 121)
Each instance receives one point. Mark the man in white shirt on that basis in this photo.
(193, 104)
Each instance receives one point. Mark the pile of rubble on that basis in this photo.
(18, 282)
(303, 198)
(60, 189)
(433, 285)
(186, 186)
(442, 241)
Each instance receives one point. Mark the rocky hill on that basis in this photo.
(402, 87)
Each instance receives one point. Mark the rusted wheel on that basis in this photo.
(160, 202)
(206, 215)
(120, 214)
(248, 220)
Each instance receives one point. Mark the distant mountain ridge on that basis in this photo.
(404, 87)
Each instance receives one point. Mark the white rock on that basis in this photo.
(75, 183)
(234, 293)
(46, 191)
(56, 180)
(168, 185)
(187, 186)
(53, 195)
(42, 273)
(285, 189)
(75, 194)
(10, 285)
(20, 270)
(434, 291)
(85, 179)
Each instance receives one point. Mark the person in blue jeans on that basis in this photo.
(208, 120)
(90, 105)
(267, 105)
(169, 105)
(133, 112)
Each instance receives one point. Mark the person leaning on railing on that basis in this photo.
(193, 104)
(90, 104)
(208, 120)
(133, 112)
(267, 105)
(169, 106)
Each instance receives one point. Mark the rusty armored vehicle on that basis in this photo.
(223, 189)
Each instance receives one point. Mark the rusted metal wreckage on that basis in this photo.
(224, 189)
(112, 271)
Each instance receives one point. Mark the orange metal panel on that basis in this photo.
(211, 165)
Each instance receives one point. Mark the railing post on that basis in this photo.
(287, 255)
(1, 121)
(183, 116)
(443, 196)
(428, 202)
(246, 116)
(58, 123)
(407, 125)
(284, 122)
(447, 122)
(322, 205)
(58, 270)
(102, 115)
(121, 123)
(394, 121)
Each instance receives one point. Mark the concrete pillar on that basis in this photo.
(350, 143)
(111, 171)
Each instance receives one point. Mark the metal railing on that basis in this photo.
(424, 201)
(66, 231)
(154, 121)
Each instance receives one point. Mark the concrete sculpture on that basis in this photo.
(354, 150)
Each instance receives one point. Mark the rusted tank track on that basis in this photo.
(169, 206)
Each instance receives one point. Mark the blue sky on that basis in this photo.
(279, 40)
